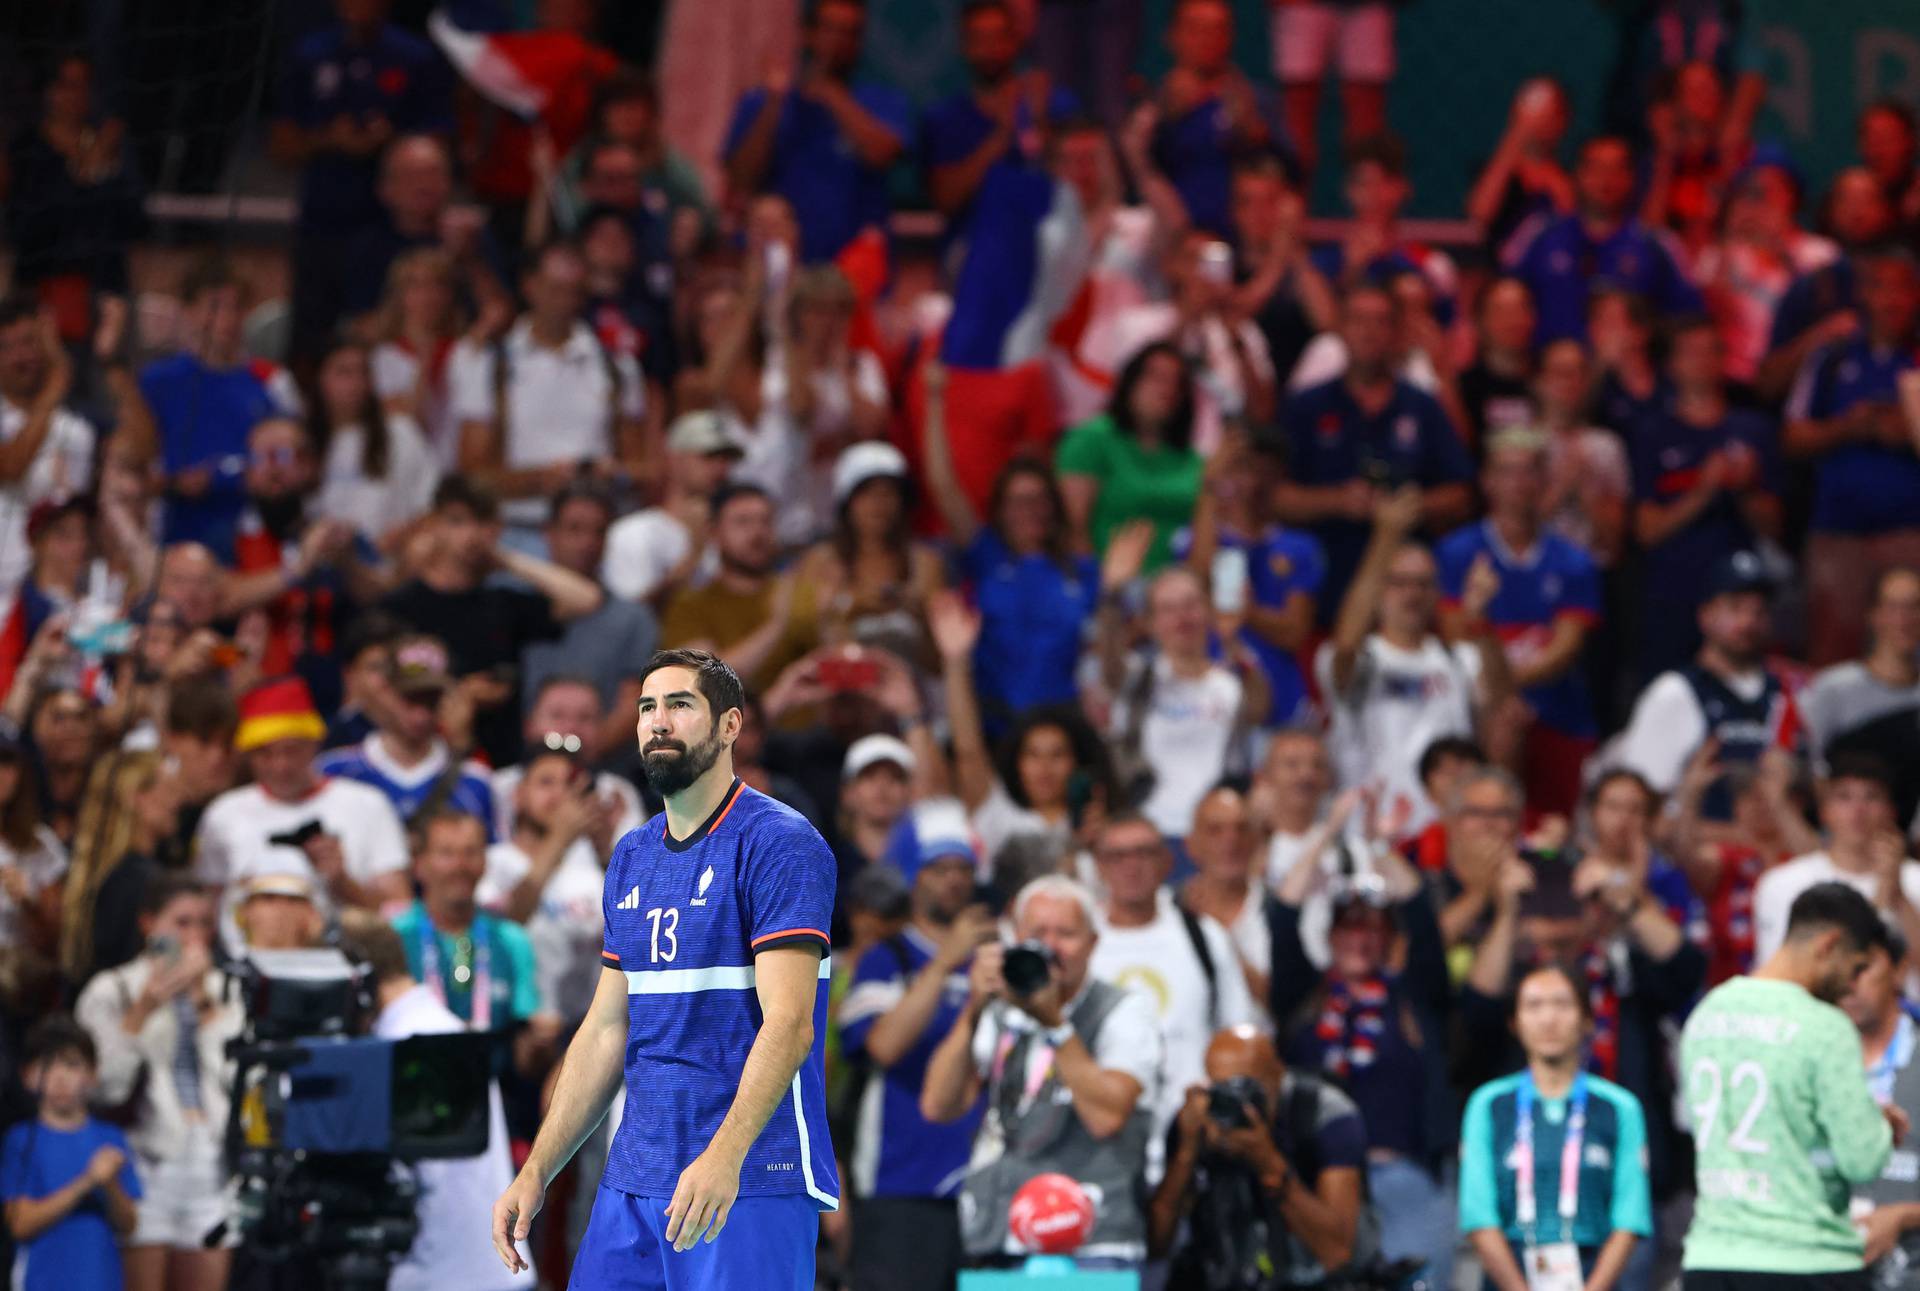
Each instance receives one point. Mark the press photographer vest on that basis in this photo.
(1042, 1134)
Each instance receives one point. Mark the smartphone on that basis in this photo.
(1216, 263)
(849, 674)
(1230, 581)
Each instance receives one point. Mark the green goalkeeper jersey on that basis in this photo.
(1782, 1125)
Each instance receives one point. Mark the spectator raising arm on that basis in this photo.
(572, 596)
(874, 142)
(936, 455)
(1394, 517)
(747, 164)
(1119, 565)
(17, 454)
(1170, 214)
(895, 1032)
(956, 629)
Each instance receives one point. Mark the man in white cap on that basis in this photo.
(654, 551)
(280, 911)
(876, 789)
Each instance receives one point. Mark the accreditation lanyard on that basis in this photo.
(1526, 1208)
(479, 978)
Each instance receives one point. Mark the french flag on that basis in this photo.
(521, 71)
(1022, 264)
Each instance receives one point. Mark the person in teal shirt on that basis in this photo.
(1135, 461)
(1527, 1220)
(480, 965)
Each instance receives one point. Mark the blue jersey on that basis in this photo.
(203, 416)
(685, 918)
(834, 194)
(407, 788)
(954, 128)
(1667, 455)
(1434, 267)
(1197, 151)
(1857, 488)
(897, 1151)
(1281, 563)
(81, 1252)
(1554, 580)
(1564, 266)
(1330, 440)
(1033, 617)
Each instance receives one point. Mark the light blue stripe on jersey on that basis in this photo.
(686, 981)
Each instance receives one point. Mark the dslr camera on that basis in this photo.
(1027, 968)
(1228, 1101)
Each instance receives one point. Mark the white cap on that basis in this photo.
(870, 459)
(869, 750)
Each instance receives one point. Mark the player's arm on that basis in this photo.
(787, 982)
(590, 1074)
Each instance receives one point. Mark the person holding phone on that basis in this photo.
(1553, 1183)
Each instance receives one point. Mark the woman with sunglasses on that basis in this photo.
(1553, 1180)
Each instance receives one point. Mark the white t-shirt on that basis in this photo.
(375, 506)
(1316, 912)
(62, 468)
(1399, 702)
(999, 818)
(1779, 887)
(397, 376)
(1121, 276)
(1668, 725)
(1158, 961)
(232, 846)
(645, 547)
(567, 929)
(1128, 1041)
(42, 865)
(558, 403)
(507, 780)
(1186, 738)
(455, 1244)
(1846, 696)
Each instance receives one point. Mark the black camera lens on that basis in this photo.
(1028, 967)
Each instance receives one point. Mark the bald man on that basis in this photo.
(1286, 1137)
(1226, 887)
(189, 580)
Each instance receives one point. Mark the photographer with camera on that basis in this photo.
(161, 1024)
(1033, 1008)
(1266, 1166)
(453, 1247)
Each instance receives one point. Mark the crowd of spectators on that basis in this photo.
(1363, 667)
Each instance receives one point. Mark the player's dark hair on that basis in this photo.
(1835, 905)
(1457, 747)
(718, 683)
(1552, 969)
(166, 887)
(58, 1036)
(1870, 767)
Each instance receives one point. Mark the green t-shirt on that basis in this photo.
(1136, 483)
(1782, 1124)
(507, 962)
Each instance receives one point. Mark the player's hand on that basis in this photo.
(702, 1198)
(513, 1218)
(103, 1167)
(1897, 1121)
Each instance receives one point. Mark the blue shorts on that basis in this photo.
(767, 1245)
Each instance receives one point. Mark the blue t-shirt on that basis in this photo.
(397, 76)
(81, 1252)
(1812, 298)
(1564, 267)
(1857, 488)
(834, 194)
(203, 417)
(953, 128)
(1556, 578)
(685, 920)
(1330, 441)
(1197, 150)
(407, 788)
(1033, 617)
(499, 961)
(1666, 455)
(1613, 1195)
(899, 1152)
(1280, 563)
(1408, 257)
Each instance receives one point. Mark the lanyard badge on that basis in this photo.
(1556, 1265)
(477, 977)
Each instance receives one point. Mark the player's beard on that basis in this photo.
(672, 773)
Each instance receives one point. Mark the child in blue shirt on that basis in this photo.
(67, 1179)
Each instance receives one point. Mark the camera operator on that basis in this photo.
(1266, 1166)
(1096, 1048)
(454, 1246)
(161, 1023)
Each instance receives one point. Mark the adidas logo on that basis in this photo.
(631, 901)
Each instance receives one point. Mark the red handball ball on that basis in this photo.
(1050, 1215)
